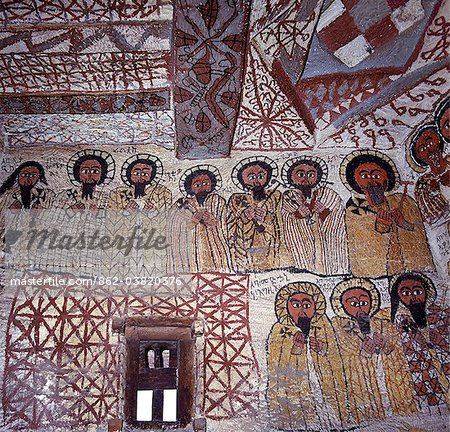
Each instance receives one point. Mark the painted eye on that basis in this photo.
(296, 305)
(418, 292)
(406, 293)
(354, 303)
(365, 176)
(306, 306)
(363, 303)
(311, 175)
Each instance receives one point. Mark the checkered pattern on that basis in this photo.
(353, 29)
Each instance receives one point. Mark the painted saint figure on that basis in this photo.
(427, 156)
(253, 216)
(141, 174)
(423, 327)
(313, 218)
(370, 350)
(385, 231)
(197, 224)
(22, 189)
(306, 388)
(87, 170)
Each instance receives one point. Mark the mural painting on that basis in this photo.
(283, 186)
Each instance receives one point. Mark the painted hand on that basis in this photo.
(260, 214)
(249, 213)
(316, 345)
(368, 347)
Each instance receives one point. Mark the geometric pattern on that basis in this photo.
(267, 121)
(83, 72)
(85, 104)
(210, 40)
(231, 384)
(120, 37)
(153, 127)
(62, 362)
(57, 11)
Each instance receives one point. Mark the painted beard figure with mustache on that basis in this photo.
(139, 189)
(304, 324)
(201, 197)
(258, 192)
(376, 192)
(25, 195)
(363, 321)
(87, 190)
(305, 189)
(418, 313)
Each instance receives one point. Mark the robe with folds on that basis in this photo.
(255, 245)
(316, 245)
(364, 389)
(373, 253)
(292, 398)
(41, 197)
(198, 247)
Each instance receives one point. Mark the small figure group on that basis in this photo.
(426, 156)
(330, 374)
(306, 227)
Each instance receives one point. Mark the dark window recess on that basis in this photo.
(159, 383)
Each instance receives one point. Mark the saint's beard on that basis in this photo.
(363, 321)
(418, 313)
(258, 193)
(304, 324)
(376, 192)
(305, 189)
(139, 189)
(87, 190)
(25, 195)
(201, 197)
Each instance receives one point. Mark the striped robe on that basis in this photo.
(252, 250)
(318, 247)
(197, 247)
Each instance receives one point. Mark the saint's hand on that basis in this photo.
(132, 205)
(316, 345)
(380, 341)
(78, 206)
(249, 213)
(260, 214)
(148, 205)
(299, 340)
(16, 205)
(368, 346)
(209, 219)
(197, 217)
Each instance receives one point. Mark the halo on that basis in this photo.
(374, 154)
(445, 104)
(92, 152)
(413, 162)
(293, 288)
(142, 156)
(249, 160)
(206, 167)
(287, 165)
(347, 284)
(430, 288)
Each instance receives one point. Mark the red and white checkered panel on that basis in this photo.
(353, 29)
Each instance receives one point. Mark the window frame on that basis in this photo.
(138, 330)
